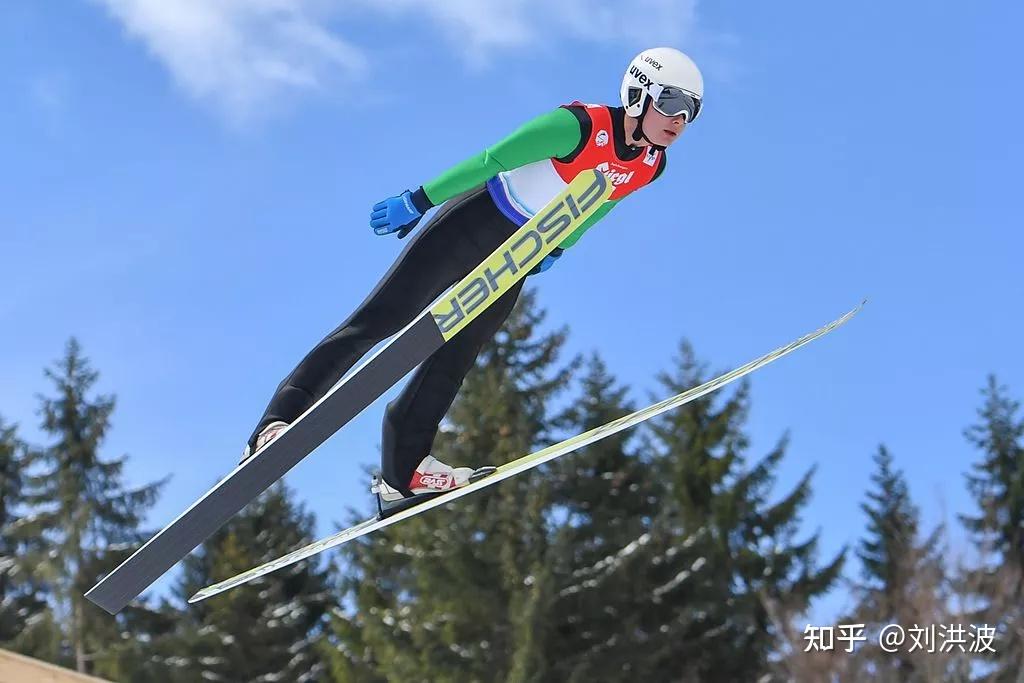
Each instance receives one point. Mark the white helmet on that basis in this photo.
(669, 77)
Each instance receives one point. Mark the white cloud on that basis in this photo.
(478, 29)
(474, 28)
(242, 55)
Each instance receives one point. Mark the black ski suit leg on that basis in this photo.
(439, 253)
(411, 420)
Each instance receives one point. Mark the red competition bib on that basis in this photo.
(599, 153)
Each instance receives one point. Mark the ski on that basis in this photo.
(517, 466)
(438, 323)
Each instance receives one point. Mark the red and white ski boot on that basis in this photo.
(432, 477)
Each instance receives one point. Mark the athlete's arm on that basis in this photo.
(576, 234)
(554, 134)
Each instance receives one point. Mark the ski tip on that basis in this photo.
(856, 309)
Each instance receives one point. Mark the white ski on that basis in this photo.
(517, 466)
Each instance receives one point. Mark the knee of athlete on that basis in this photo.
(390, 409)
(362, 335)
(394, 414)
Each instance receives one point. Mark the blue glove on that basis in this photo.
(395, 214)
(547, 261)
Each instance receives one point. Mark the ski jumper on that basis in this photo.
(486, 198)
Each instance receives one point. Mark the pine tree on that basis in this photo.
(268, 630)
(886, 555)
(603, 499)
(903, 578)
(150, 645)
(23, 611)
(463, 593)
(996, 483)
(83, 517)
(726, 550)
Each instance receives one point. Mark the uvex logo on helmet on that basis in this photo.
(653, 62)
(615, 177)
(644, 79)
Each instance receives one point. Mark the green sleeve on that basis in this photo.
(554, 134)
(576, 234)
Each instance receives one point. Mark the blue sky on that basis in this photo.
(186, 187)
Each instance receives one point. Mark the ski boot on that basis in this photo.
(269, 433)
(431, 478)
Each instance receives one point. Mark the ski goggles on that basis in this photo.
(672, 101)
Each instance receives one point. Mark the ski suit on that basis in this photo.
(485, 199)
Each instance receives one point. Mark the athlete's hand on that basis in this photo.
(547, 261)
(395, 214)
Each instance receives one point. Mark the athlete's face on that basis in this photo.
(663, 130)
